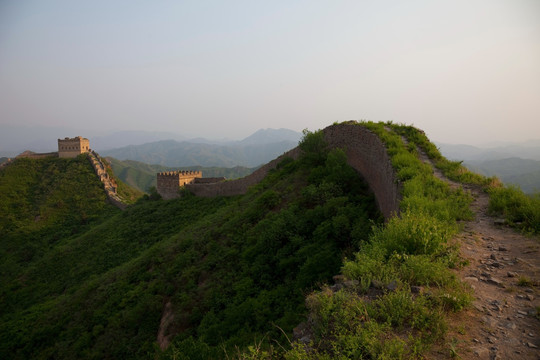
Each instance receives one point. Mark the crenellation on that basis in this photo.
(169, 182)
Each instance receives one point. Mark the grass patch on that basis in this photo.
(524, 281)
(519, 210)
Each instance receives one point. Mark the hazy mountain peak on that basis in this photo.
(267, 136)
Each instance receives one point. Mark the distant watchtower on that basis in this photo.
(169, 182)
(71, 147)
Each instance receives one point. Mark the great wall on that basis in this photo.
(366, 153)
(109, 185)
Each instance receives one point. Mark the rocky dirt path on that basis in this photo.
(504, 272)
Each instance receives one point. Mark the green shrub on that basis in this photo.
(414, 234)
(314, 147)
(519, 209)
(369, 265)
(425, 270)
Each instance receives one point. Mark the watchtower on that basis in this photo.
(71, 147)
(169, 182)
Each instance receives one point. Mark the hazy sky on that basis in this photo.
(465, 71)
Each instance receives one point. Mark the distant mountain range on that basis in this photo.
(526, 150)
(522, 172)
(257, 149)
(517, 164)
(15, 139)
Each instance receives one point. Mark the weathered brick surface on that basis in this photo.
(239, 186)
(366, 153)
(109, 185)
(208, 180)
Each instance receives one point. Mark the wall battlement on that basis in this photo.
(169, 182)
(186, 173)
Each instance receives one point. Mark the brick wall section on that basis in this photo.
(109, 185)
(239, 186)
(366, 153)
(208, 180)
(32, 155)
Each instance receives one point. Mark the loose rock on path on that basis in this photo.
(504, 273)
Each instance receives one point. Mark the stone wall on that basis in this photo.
(72, 147)
(6, 163)
(208, 180)
(366, 153)
(109, 185)
(32, 155)
(239, 186)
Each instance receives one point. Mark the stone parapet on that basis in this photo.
(32, 155)
(109, 185)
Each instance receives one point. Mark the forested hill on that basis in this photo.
(229, 270)
(42, 203)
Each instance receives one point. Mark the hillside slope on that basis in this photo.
(43, 202)
(222, 270)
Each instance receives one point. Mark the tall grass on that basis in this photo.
(519, 209)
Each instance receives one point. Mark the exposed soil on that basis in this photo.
(164, 336)
(504, 273)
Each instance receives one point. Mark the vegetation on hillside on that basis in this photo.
(43, 202)
(127, 193)
(233, 269)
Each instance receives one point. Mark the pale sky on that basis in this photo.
(465, 71)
